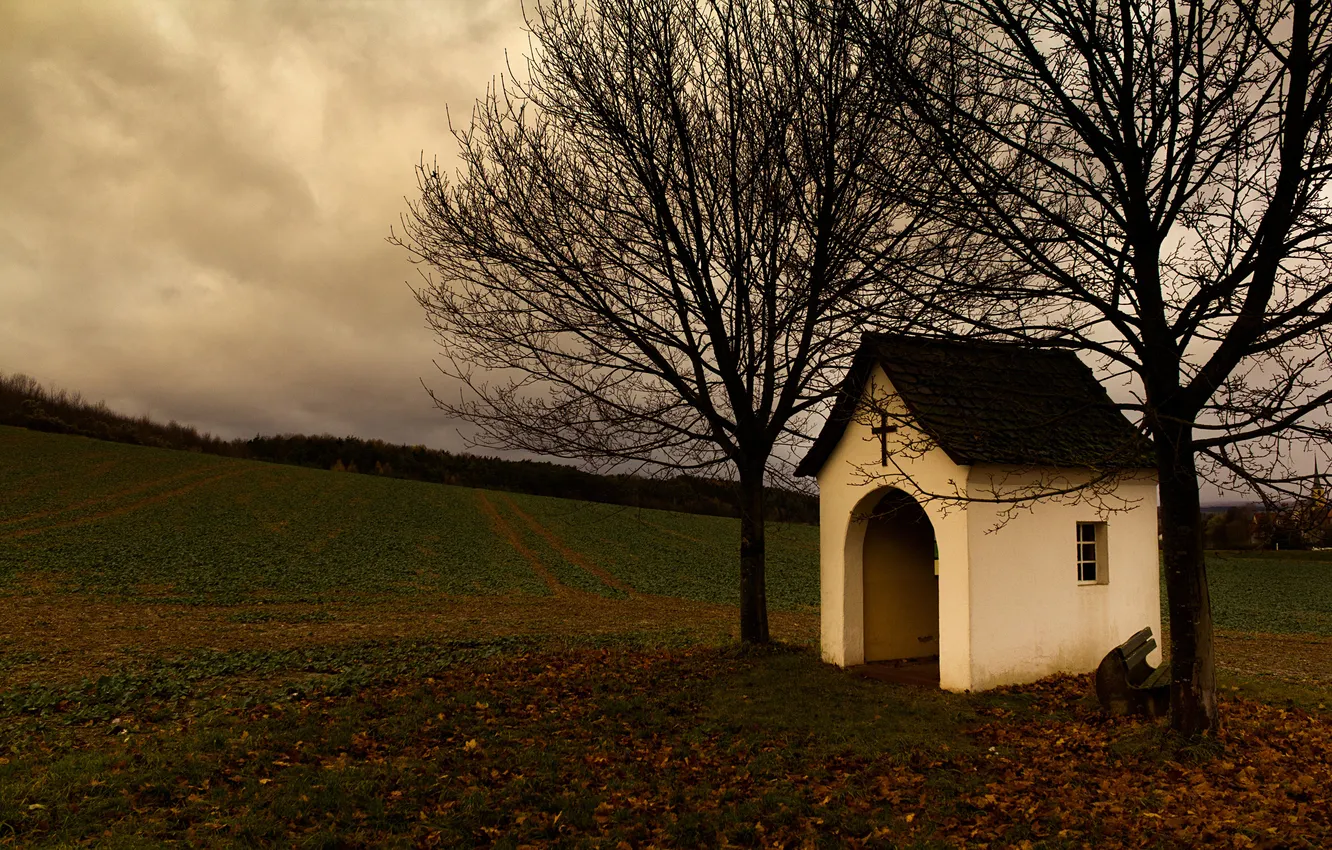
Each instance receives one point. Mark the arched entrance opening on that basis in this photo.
(901, 584)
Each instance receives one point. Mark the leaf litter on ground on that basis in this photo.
(519, 742)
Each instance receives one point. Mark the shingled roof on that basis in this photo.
(991, 402)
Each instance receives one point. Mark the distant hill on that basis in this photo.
(1222, 507)
(25, 403)
(135, 522)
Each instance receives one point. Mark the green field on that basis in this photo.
(219, 653)
(133, 521)
(1284, 592)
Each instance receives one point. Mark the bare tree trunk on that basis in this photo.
(1192, 666)
(753, 582)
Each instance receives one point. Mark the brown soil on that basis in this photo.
(72, 635)
(123, 509)
(1305, 658)
(923, 672)
(105, 497)
(30, 483)
(65, 636)
(1299, 658)
(570, 555)
(502, 528)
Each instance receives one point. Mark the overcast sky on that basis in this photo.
(196, 195)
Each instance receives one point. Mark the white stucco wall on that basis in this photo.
(843, 492)
(1010, 607)
(1029, 616)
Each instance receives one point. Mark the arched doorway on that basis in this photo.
(901, 581)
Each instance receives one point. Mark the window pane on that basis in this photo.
(1090, 535)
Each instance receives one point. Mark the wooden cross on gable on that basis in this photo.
(882, 430)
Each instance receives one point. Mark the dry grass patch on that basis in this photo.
(65, 636)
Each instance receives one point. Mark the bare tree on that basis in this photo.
(662, 238)
(1148, 182)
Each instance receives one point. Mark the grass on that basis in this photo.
(225, 652)
(843, 713)
(1283, 592)
(139, 522)
(597, 742)
(678, 554)
(199, 528)
(130, 521)
(504, 741)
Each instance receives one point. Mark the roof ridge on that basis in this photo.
(991, 401)
(1032, 346)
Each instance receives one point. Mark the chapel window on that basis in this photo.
(1091, 553)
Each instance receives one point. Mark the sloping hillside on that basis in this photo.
(125, 520)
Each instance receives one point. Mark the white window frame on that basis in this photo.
(1090, 550)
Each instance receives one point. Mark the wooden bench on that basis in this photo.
(1127, 684)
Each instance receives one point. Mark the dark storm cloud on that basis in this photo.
(196, 197)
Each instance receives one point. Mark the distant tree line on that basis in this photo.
(1234, 528)
(25, 403)
(1294, 524)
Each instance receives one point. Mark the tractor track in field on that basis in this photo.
(30, 482)
(122, 509)
(95, 500)
(502, 527)
(569, 554)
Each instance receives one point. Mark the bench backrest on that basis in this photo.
(1134, 651)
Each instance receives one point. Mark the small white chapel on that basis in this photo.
(929, 544)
